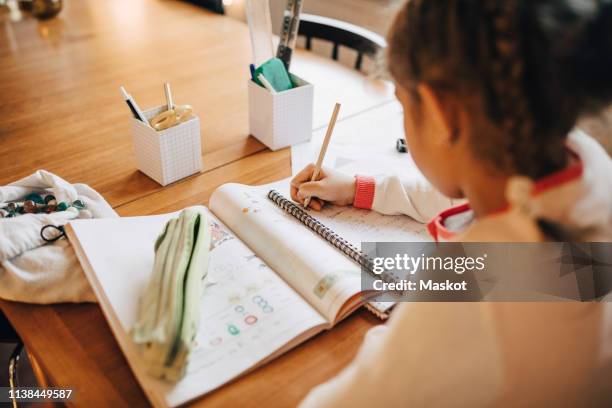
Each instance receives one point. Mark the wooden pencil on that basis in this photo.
(319, 163)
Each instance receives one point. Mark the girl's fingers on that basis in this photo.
(294, 196)
(311, 189)
(316, 204)
(306, 175)
(303, 176)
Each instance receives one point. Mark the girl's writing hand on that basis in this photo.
(332, 186)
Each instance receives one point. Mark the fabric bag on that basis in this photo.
(31, 269)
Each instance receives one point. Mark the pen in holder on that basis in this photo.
(283, 118)
(167, 155)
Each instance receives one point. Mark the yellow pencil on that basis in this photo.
(330, 130)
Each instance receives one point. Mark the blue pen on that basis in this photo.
(252, 67)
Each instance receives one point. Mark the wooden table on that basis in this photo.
(61, 111)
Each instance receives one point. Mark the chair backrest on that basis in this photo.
(364, 41)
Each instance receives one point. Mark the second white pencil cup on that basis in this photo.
(168, 155)
(284, 118)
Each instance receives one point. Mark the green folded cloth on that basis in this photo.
(169, 311)
(275, 72)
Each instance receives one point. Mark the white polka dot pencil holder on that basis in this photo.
(282, 119)
(168, 155)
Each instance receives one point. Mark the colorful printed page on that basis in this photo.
(248, 312)
(324, 276)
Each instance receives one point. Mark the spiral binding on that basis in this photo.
(324, 232)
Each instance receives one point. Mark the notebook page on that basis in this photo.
(248, 312)
(314, 269)
(325, 277)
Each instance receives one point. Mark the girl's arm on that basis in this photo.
(389, 195)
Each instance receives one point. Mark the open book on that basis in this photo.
(272, 283)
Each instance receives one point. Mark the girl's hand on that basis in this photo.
(332, 186)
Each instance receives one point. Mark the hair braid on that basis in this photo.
(511, 103)
(526, 71)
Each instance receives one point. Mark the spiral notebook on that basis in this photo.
(379, 309)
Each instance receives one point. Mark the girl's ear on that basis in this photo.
(442, 112)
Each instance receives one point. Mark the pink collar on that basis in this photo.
(439, 231)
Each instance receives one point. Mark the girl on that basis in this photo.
(491, 91)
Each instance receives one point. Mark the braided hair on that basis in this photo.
(533, 67)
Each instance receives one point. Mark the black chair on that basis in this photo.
(364, 41)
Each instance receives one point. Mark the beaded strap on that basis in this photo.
(328, 235)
